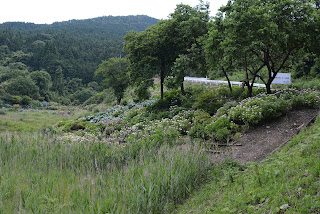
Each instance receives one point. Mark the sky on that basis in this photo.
(49, 11)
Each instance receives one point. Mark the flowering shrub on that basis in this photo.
(200, 120)
(268, 106)
(221, 129)
(112, 126)
(126, 125)
(16, 106)
(300, 98)
(117, 112)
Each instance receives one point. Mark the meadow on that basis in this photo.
(146, 157)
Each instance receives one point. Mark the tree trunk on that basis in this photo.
(250, 90)
(247, 77)
(118, 100)
(226, 75)
(268, 87)
(182, 88)
(161, 82)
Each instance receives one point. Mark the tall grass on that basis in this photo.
(40, 174)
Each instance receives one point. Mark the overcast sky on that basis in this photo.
(49, 11)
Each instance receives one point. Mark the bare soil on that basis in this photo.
(261, 141)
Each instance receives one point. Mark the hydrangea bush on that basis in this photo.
(125, 124)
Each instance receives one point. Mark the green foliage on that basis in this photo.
(170, 99)
(77, 46)
(200, 120)
(79, 97)
(22, 86)
(221, 129)
(58, 81)
(142, 91)
(61, 57)
(243, 37)
(7, 73)
(306, 83)
(43, 81)
(266, 107)
(214, 98)
(100, 97)
(115, 72)
(209, 101)
(72, 125)
(25, 100)
(158, 47)
(74, 85)
(16, 99)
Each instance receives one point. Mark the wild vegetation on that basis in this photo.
(129, 148)
(57, 62)
(286, 182)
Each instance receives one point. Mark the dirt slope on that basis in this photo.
(261, 141)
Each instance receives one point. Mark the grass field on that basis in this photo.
(29, 120)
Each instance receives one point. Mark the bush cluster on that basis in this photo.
(171, 118)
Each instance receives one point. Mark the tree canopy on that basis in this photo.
(261, 35)
(155, 50)
(115, 72)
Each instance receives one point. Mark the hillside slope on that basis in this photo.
(78, 46)
(286, 182)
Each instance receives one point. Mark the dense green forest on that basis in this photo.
(60, 58)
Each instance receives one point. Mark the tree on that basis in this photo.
(151, 52)
(22, 86)
(262, 33)
(42, 79)
(294, 24)
(75, 84)
(115, 72)
(80, 96)
(58, 81)
(216, 53)
(155, 50)
(192, 25)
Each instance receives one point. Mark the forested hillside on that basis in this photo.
(69, 52)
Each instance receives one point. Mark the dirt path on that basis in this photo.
(261, 141)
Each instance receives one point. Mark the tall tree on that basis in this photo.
(155, 50)
(151, 52)
(288, 29)
(192, 25)
(115, 72)
(58, 81)
(216, 53)
(254, 34)
(230, 44)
